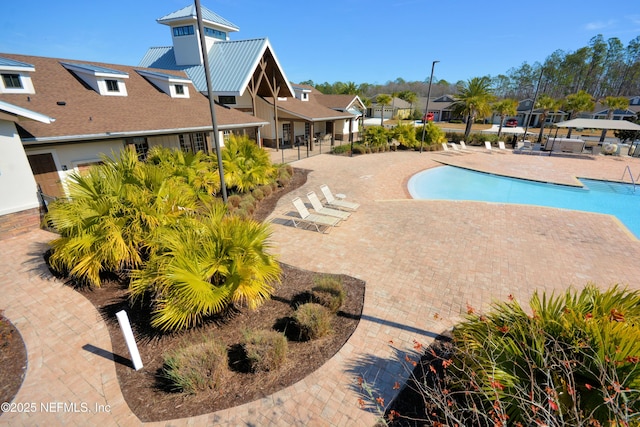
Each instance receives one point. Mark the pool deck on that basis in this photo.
(424, 262)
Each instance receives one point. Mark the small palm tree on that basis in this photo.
(245, 164)
(577, 103)
(204, 264)
(504, 108)
(383, 100)
(546, 104)
(613, 103)
(473, 100)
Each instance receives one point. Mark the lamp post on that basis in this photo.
(426, 110)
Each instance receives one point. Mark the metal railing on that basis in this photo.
(633, 181)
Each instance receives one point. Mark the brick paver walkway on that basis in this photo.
(423, 261)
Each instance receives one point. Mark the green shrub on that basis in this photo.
(572, 359)
(405, 135)
(265, 350)
(375, 136)
(358, 149)
(196, 367)
(248, 206)
(341, 149)
(234, 200)
(284, 180)
(329, 292)
(313, 320)
(257, 194)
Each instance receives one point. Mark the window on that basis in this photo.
(215, 33)
(141, 145)
(192, 142)
(226, 135)
(227, 99)
(12, 81)
(112, 85)
(179, 90)
(186, 30)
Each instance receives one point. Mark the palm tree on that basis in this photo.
(613, 103)
(383, 100)
(577, 103)
(473, 100)
(546, 104)
(205, 264)
(245, 164)
(504, 108)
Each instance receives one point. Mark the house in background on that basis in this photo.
(439, 106)
(397, 108)
(245, 75)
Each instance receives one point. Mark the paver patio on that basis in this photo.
(424, 262)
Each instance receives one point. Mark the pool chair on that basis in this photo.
(446, 149)
(335, 203)
(501, 146)
(463, 147)
(323, 210)
(314, 219)
(487, 145)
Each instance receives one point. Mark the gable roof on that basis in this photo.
(189, 13)
(15, 113)
(81, 113)
(233, 63)
(311, 111)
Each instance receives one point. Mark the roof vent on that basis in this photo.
(61, 103)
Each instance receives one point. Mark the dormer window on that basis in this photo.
(112, 85)
(185, 30)
(227, 99)
(105, 81)
(12, 81)
(216, 34)
(173, 85)
(15, 76)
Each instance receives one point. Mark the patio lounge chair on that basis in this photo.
(316, 220)
(463, 147)
(502, 147)
(487, 145)
(334, 203)
(322, 210)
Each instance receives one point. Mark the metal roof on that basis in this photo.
(232, 64)
(26, 113)
(6, 62)
(165, 76)
(93, 68)
(189, 12)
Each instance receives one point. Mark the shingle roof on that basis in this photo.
(232, 64)
(144, 110)
(308, 110)
(189, 12)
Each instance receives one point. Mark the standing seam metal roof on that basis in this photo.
(11, 63)
(190, 12)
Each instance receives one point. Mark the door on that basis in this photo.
(46, 175)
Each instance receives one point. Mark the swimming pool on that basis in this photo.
(453, 183)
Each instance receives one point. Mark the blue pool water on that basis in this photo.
(452, 183)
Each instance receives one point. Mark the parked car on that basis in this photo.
(511, 123)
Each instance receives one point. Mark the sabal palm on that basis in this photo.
(245, 164)
(204, 264)
(613, 103)
(547, 104)
(577, 103)
(504, 108)
(112, 210)
(383, 100)
(473, 100)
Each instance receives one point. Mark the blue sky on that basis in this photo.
(368, 41)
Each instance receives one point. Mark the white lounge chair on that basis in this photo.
(334, 203)
(316, 220)
(501, 146)
(463, 147)
(487, 145)
(456, 149)
(323, 210)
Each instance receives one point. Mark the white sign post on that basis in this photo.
(125, 326)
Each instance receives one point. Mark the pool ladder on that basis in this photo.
(633, 181)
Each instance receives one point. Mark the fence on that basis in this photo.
(291, 153)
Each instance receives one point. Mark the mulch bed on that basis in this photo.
(13, 360)
(151, 398)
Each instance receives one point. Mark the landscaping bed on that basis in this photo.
(13, 360)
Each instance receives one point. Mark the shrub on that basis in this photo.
(266, 190)
(257, 194)
(284, 180)
(329, 292)
(196, 367)
(375, 136)
(573, 359)
(246, 165)
(265, 350)
(248, 207)
(234, 200)
(405, 135)
(358, 149)
(341, 149)
(313, 320)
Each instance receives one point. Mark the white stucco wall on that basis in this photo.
(18, 189)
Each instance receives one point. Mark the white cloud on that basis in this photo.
(599, 25)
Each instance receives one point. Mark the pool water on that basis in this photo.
(453, 183)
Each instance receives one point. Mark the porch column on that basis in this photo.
(311, 136)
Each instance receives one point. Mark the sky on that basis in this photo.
(360, 41)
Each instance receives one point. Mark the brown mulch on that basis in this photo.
(13, 360)
(146, 391)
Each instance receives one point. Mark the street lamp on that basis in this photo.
(426, 110)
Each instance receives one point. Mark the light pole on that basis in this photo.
(426, 110)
